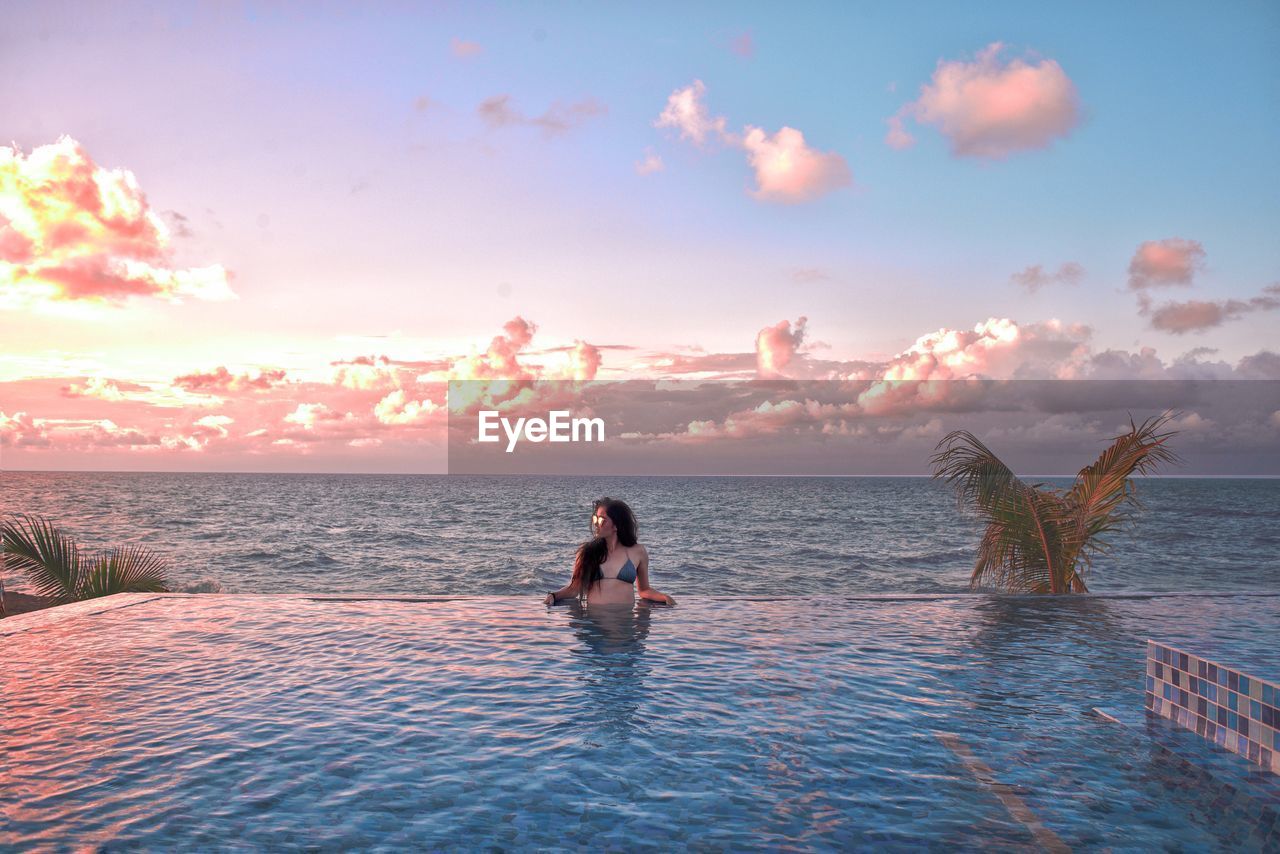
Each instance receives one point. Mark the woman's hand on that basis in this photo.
(550, 600)
(667, 600)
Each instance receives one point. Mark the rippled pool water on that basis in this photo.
(251, 722)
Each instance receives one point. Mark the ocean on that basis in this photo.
(741, 536)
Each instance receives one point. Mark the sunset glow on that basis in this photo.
(279, 263)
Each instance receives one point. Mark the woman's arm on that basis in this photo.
(642, 581)
(565, 592)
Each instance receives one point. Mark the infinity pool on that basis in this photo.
(247, 722)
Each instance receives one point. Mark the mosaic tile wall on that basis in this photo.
(1233, 709)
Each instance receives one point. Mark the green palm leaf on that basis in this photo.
(50, 559)
(1038, 539)
(1103, 497)
(128, 569)
(56, 567)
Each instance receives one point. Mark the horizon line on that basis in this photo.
(562, 474)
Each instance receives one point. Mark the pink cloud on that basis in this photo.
(1200, 315)
(1159, 263)
(1193, 315)
(463, 49)
(584, 361)
(743, 45)
(20, 429)
(15, 247)
(898, 137)
(99, 387)
(786, 169)
(499, 111)
(82, 434)
(1035, 277)
(997, 348)
(71, 230)
(106, 434)
(776, 346)
(686, 112)
(222, 380)
(988, 108)
(325, 420)
(366, 372)
(308, 415)
(718, 365)
(649, 164)
(397, 408)
(501, 360)
(789, 171)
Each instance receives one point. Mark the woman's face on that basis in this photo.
(601, 524)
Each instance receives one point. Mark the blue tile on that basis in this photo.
(1233, 701)
(1233, 720)
(1244, 684)
(1213, 693)
(1222, 677)
(1268, 695)
(1255, 710)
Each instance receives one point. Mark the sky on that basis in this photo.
(263, 237)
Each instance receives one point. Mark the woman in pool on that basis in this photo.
(609, 564)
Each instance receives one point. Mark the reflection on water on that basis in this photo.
(613, 666)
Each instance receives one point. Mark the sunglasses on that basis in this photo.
(597, 520)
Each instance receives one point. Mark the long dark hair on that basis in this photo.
(586, 566)
(622, 517)
(592, 554)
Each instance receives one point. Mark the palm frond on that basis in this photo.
(1104, 497)
(978, 475)
(1042, 540)
(56, 567)
(1020, 549)
(128, 569)
(50, 559)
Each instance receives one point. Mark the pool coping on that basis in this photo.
(18, 623)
